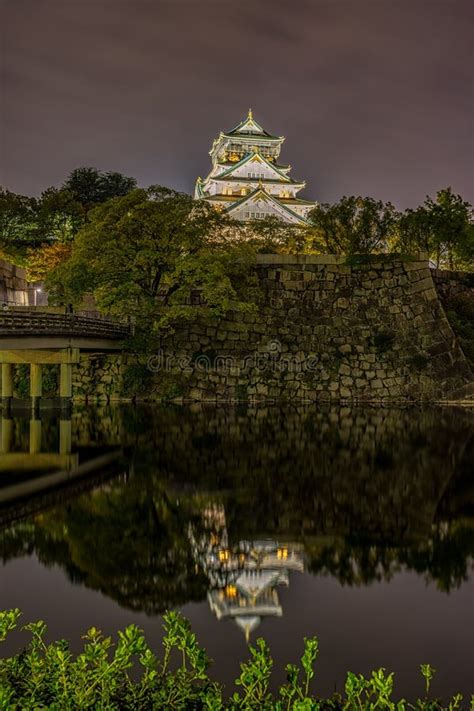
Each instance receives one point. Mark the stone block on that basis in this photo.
(421, 285)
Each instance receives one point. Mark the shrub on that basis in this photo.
(22, 380)
(418, 361)
(103, 676)
(136, 379)
(460, 313)
(383, 341)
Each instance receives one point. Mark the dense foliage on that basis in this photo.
(443, 228)
(102, 676)
(145, 253)
(353, 225)
(90, 187)
(34, 230)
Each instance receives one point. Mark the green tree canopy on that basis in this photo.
(58, 216)
(28, 223)
(442, 227)
(354, 225)
(144, 253)
(17, 222)
(272, 235)
(91, 187)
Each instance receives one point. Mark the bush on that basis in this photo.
(418, 361)
(460, 313)
(383, 341)
(137, 378)
(50, 676)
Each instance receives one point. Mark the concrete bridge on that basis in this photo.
(34, 478)
(38, 337)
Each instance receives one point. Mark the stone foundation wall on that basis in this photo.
(456, 293)
(13, 287)
(450, 284)
(322, 330)
(97, 377)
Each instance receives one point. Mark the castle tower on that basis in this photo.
(246, 179)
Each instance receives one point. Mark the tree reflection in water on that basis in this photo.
(225, 502)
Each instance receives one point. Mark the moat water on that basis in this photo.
(352, 524)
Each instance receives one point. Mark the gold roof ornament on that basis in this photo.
(250, 114)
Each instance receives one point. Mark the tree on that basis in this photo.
(17, 221)
(443, 227)
(28, 223)
(42, 260)
(353, 225)
(91, 187)
(144, 253)
(58, 216)
(271, 234)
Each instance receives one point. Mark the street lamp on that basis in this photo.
(37, 291)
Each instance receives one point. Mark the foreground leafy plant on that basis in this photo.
(127, 675)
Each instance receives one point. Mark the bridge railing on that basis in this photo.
(22, 322)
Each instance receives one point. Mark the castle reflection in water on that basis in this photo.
(243, 579)
(186, 502)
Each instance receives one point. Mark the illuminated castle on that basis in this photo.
(246, 179)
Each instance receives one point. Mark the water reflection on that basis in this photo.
(224, 503)
(242, 578)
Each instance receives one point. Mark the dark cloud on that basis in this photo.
(374, 96)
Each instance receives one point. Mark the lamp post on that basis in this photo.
(36, 292)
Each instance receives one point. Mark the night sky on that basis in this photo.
(375, 97)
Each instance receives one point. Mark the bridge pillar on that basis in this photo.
(7, 383)
(7, 434)
(65, 381)
(35, 384)
(64, 357)
(65, 436)
(35, 436)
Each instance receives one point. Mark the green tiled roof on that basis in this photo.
(278, 166)
(247, 158)
(250, 134)
(290, 181)
(262, 133)
(273, 199)
(297, 201)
